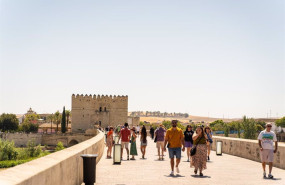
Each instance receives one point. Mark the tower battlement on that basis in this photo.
(104, 110)
(99, 97)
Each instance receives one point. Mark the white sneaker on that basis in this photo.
(172, 173)
(177, 170)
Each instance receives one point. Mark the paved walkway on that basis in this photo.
(225, 169)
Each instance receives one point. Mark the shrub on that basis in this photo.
(11, 163)
(7, 150)
(29, 127)
(32, 149)
(59, 146)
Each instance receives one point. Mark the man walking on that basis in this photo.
(174, 137)
(159, 134)
(125, 135)
(265, 141)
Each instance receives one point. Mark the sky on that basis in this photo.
(207, 58)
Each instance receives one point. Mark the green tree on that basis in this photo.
(166, 123)
(249, 127)
(31, 118)
(57, 119)
(217, 125)
(50, 118)
(8, 122)
(280, 122)
(237, 126)
(63, 121)
(68, 114)
(226, 130)
(29, 127)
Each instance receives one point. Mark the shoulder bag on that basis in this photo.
(193, 150)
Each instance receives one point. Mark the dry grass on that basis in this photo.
(183, 120)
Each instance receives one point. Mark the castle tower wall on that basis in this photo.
(89, 110)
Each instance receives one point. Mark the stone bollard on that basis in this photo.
(89, 168)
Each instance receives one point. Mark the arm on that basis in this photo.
(182, 141)
(260, 146)
(165, 143)
(195, 137)
(119, 138)
(276, 147)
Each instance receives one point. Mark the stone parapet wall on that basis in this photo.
(60, 168)
(248, 149)
(21, 139)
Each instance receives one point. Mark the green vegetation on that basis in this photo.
(249, 127)
(11, 156)
(59, 146)
(8, 122)
(63, 121)
(280, 122)
(67, 113)
(7, 150)
(168, 124)
(57, 118)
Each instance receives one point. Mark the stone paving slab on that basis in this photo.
(225, 169)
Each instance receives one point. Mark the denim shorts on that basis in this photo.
(174, 151)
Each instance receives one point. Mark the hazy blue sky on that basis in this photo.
(217, 57)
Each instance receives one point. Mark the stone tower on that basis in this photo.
(88, 111)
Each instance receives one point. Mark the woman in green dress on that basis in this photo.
(133, 151)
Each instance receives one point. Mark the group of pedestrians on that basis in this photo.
(174, 139)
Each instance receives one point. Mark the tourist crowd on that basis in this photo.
(197, 144)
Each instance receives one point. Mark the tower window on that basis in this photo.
(105, 109)
(100, 109)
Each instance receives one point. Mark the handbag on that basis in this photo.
(210, 139)
(193, 150)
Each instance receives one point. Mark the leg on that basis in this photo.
(270, 167)
(158, 151)
(188, 152)
(177, 161)
(263, 166)
(172, 164)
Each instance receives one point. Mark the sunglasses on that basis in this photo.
(268, 126)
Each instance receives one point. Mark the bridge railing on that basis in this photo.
(248, 149)
(64, 167)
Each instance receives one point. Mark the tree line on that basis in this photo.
(10, 123)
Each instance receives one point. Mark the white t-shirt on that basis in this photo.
(267, 139)
(138, 128)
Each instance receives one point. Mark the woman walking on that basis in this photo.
(143, 141)
(200, 158)
(109, 142)
(209, 140)
(133, 151)
(188, 134)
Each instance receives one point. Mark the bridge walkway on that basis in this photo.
(221, 170)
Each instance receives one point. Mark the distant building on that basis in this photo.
(88, 111)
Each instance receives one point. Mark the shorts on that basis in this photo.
(143, 144)
(188, 144)
(125, 144)
(160, 144)
(266, 155)
(174, 151)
